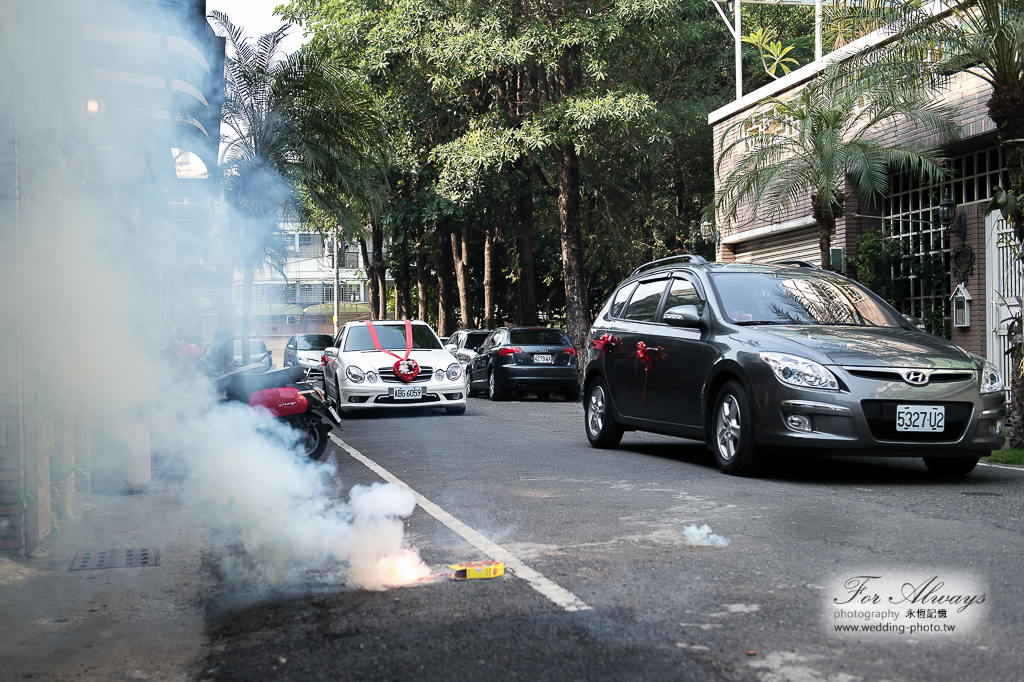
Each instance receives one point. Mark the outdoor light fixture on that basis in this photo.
(92, 107)
(947, 213)
(961, 306)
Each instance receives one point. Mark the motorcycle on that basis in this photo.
(288, 396)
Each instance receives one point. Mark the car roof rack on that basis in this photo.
(797, 263)
(680, 258)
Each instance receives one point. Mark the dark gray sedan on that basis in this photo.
(754, 357)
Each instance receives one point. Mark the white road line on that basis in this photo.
(550, 589)
(1000, 466)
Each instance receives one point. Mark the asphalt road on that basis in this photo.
(616, 591)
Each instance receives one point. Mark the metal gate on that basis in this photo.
(1004, 281)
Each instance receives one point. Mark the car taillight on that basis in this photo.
(571, 351)
(511, 350)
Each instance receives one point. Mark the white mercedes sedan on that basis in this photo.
(392, 363)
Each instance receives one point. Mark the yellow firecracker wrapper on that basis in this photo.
(472, 570)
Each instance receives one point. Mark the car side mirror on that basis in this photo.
(331, 352)
(451, 347)
(682, 316)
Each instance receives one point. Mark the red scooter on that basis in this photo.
(284, 396)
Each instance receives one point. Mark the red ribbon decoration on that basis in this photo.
(647, 355)
(324, 360)
(606, 344)
(405, 368)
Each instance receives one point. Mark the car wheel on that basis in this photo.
(455, 409)
(602, 429)
(470, 391)
(951, 466)
(732, 429)
(494, 392)
(543, 395)
(572, 394)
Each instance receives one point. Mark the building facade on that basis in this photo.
(111, 115)
(981, 262)
(296, 293)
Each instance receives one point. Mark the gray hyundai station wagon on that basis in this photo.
(751, 358)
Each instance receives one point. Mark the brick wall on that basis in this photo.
(967, 93)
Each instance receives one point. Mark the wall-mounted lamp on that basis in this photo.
(948, 215)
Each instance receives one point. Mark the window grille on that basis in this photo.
(351, 293)
(310, 244)
(911, 216)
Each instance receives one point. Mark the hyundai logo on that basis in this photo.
(915, 377)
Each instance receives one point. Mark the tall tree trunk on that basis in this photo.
(523, 224)
(577, 316)
(371, 280)
(490, 274)
(444, 280)
(460, 257)
(826, 219)
(377, 239)
(422, 273)
(337, 278)
(247, 277)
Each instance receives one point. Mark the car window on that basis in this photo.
(255, 346)
(644, 303)
(538, 336)
(391, 337)
(621, 296)
(475, 339)
(314, 342)
(812, 298)
(683, 292)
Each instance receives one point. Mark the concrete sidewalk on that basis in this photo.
(142, 623)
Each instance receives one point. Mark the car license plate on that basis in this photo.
(542, 359)
(334, 415)
(930, 418)
(406, 392)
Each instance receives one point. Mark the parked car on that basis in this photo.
(306, 351)
(258, 353)
(752, 357)
(537, 359)
(368, 367)
(464, 344)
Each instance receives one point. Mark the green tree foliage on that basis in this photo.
(577, 131)
(304, 134)
(830, 131)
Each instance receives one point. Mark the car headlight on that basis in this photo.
(991, 381)
(266, 360)
(354, 374)
(796, 371)
(454, 371)
(371, 377)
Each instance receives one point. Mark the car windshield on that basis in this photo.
(799, 299)
(538, 336)
(255, 346)
(391, 337)
(314, 342)
(475, 339)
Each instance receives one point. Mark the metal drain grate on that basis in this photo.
(115, 558)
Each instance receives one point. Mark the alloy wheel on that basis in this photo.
(595, 410)
(727, 428)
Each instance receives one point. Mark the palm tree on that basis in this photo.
(830, 131)
(304, 135)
